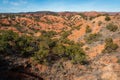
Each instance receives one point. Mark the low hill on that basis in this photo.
(60, 45)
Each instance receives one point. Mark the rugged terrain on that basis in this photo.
(96, 34)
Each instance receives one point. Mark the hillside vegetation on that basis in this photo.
(61, 45)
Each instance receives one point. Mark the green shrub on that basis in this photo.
(108, 40)
(41, 55)
(65, 34)
(7, 41)
(107, 18)
(59, 49)
(75, 54)
(76, 27)
(47, 54)
(83, 16)
(91, 18)
(67, 41)
(48, 34)
(110, 46)
(12, 43)
(44, 52)
(88, 30)
(87, 48)
(8, 35)
(92, 37)
(42, 49)
(112, 27)
(24, 46)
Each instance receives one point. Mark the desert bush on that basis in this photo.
(76, 27)
(91, 18)
(7, 39)
(24, 46)
(65, 34)
(112, 27)
(107, 18)
(99, 23)
(87, 48)
(42, 49)
(83, 16)
(108, 40)
(110, 46)
(66, 41)
(41, 54)
(12, 43)
(59, 49)
(75, 54)
(46, 54)
(92, 37)
(88, 29)
(48, 34)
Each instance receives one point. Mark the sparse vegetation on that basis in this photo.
(92, 37)
(56, 45)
